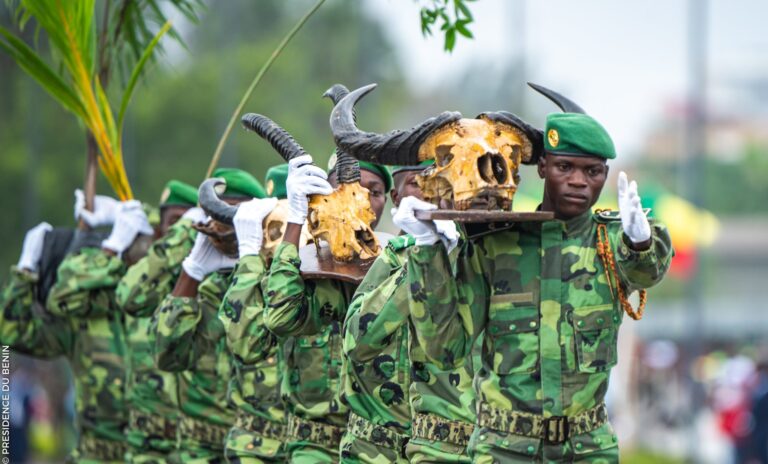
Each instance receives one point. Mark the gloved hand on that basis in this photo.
(33, 247)
(448, 232)
(195, 214)
(248, 223)
(636, 225)
(304, 178)
(205, 259)
(130, 221)
(104, 210)
(425, 232)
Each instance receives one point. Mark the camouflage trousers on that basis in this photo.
(437, 440)
(367, 443)
(253, 440)
(151, 438)
(92, 450)
(200, 442)
(311, 442)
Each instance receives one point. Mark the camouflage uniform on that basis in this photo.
(376, 373)
(189, 339)
(308, 317)
(539, 291)
(254, 389)
(82, 324)
(152, 393)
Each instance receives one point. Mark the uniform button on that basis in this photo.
(512, 326)
(118, 381)
(531, 449)
(532, 324)
(483, 437)
(249, 446)
(615, 318)
(600, 320)
(598, 440)
(415, 249)
(580, 323)
(579, 446)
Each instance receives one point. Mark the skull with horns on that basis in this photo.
(476, 160)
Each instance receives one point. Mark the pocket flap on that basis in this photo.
(595, 318)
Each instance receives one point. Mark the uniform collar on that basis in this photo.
(576, 225)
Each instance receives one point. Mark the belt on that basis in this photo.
(316, 432)
(100, 449)
(432, 427)
(260, 426)
(364, 429)
(553, 430)
(155, 426)
(202, 431)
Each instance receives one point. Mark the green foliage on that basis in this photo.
(454, 16)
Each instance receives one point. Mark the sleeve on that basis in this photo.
(242, 312)
(186, 328)
(643, 269)
(25, 326)
(145, 283)
(296, 307)
(447, 304)
(374, 316)
(85, 282)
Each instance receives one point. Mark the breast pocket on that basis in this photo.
(513, 329)
(312, 367)
(596, 334)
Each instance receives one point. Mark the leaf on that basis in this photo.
(450, 39)
(137, 72)
(461, 6)
(462, 28)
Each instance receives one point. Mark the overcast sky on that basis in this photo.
(624, 62)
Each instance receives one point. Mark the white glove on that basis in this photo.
(248, 224)
(425, 232)
(304, 178)
(104, 210)
(195, 214)
(633, 219)
(130, 221)
(33, 247)
(448, 232)
(205, 259)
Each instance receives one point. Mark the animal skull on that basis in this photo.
(476, 164)
(343, 219)
(274, 230)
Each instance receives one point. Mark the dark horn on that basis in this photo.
(347, 167)
(393, 148)
(214, 206)
(534, 135)
(279, 138)
(565, 104)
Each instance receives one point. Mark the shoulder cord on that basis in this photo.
(609, 263)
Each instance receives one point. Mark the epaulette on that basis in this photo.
(607, 215)
(401, 242)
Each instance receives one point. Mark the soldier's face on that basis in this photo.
(376, 193)
(572, 184)
(405, 186)
(169, 215)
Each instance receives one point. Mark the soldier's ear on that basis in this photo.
(541, 165)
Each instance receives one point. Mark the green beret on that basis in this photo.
(240, 183)
(378, 169)
(177, 193)
(275, 181)
(577, 134)
(418, 167)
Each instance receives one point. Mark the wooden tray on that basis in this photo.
(321, 265)
(478, 216)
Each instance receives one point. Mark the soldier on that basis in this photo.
(189, 338)
(152, 393)
(549, 297)
(81, 323)
(377, 336)
(259, 429)
(307, 316)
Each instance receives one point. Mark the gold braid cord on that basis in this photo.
(609, 263)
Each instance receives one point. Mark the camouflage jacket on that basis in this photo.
(376, 374)
(539, 292)
(152, 391)
(307, 315)
(91, 334)
(255, 387)
(189, 339)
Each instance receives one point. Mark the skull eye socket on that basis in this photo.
(274, 230)
(443, 155)
(492, 168)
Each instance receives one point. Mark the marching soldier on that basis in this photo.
(549, 298)
(152, 393)
(189, 337)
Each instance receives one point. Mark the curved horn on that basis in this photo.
(347, 167)
(214, 206)
(279, 138)
(565, 104)
(535, 136)
(395, 147)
